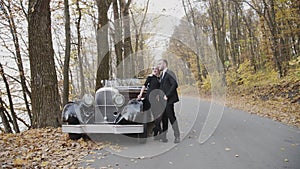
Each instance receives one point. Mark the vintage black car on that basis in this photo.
(114, 109)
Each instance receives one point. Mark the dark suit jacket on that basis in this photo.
(169, 86)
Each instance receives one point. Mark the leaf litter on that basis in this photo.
(279, 102)
(44, 148)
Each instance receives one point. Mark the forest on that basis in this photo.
(54, 51)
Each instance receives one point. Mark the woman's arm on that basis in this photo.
(144, 87)
(141, 93)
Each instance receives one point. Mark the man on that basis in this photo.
(169, 86)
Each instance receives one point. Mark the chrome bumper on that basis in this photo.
(102, 128)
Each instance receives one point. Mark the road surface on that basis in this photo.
(241, 141)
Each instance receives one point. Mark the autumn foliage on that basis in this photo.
(43, 148)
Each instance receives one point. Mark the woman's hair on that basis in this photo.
(155, 67)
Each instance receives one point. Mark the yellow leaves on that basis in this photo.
(279, 109)
(295, 62)
(44, 164)
(19, 162)
(43, 148)
(262, 93)
(82, 143)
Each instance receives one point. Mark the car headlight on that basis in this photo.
(88, 99)
(119, 100)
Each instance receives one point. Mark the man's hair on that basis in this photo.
(165, 61)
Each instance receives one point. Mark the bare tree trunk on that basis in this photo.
(138, 43)
(129, 69)
(102, 43)
(139, 39)
(11, 105)
(89, 79)
(195, 35)
(5, 122)
(73, 91)
(118, 32)
(80, 60)
(217, 14)
(45, 96)
(233, 29)
(66, 82)
(269, 15)
(14, 33)
(275, 38)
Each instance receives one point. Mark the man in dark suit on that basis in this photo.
(169, 86)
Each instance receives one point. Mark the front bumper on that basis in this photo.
(103, 128)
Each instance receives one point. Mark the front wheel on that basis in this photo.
(74, 136)
(142, 137)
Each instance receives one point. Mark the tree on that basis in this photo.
(188, 9)
(45, 97)
(11, 105)
(6, 8)
(67, 53)
(122, 38)
(102, 42)
(4, 118)
(217, 14)
(128, 50)
(117, 32)
(79, 44)
(266, 10)
(139, 38)
(234, 29)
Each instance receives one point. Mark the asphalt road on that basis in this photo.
(241, 141)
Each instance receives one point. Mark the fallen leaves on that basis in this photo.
(19, 162)
(90, 161)
(43, 148)
(279, 102)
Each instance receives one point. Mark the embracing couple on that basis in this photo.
(160, 98)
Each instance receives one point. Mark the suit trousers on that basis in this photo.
(169, 114)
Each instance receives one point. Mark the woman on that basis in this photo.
(152, 84)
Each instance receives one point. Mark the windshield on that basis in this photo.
(124, 82)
